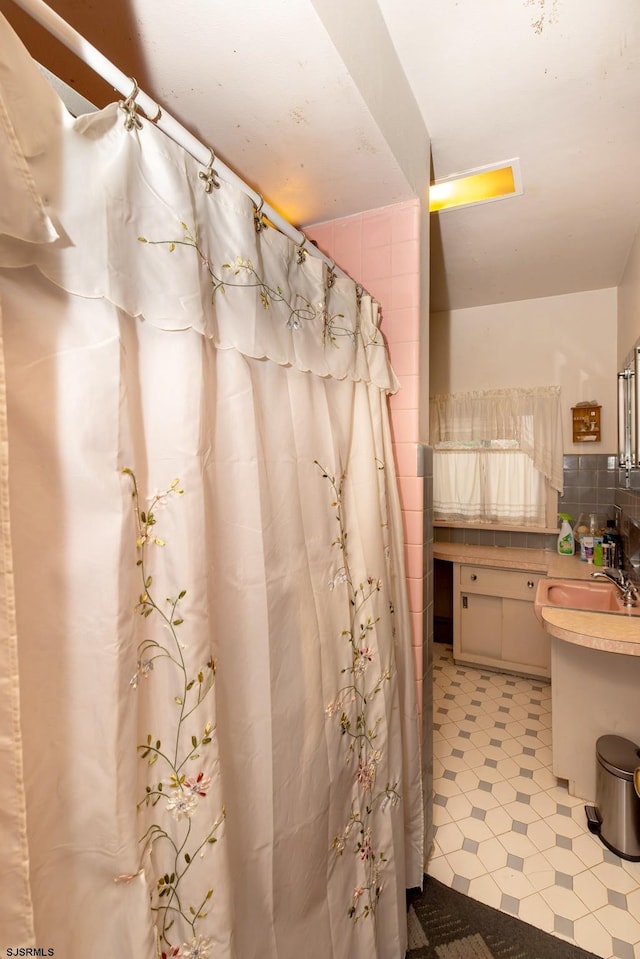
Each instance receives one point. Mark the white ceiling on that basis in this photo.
(323, 105)
(557, 84)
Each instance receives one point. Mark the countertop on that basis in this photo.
(509, 557)
(610, 632)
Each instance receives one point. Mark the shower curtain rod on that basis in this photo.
(74, 41)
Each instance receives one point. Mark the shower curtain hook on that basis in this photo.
(209, 175)
(136, 90)
(258, 218)
(301, 253)
(130, 109)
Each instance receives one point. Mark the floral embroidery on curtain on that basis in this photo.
(354, 705)
(177, 839)
(299, 309)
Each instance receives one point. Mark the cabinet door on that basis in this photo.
(524, 640)
(480, 625)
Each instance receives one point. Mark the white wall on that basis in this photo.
(568, 341)
(629, 303)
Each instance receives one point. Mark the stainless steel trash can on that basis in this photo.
(617, 803)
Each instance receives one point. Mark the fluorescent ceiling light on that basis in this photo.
(480, 185)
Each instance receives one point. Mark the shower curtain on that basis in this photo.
(208, 733)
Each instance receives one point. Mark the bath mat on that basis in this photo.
(445, 924)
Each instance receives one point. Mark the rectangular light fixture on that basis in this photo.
(480, 185)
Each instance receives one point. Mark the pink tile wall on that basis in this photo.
(381, 250)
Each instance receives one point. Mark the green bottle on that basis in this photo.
(566, 542)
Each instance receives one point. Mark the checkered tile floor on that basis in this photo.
(506, 830)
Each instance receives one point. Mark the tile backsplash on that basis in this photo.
(590, 485)
(489, 537)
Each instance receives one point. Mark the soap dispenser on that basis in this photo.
(566, 542)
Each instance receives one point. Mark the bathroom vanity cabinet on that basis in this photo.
(494, 624)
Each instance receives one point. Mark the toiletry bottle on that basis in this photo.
(566, 542)
(613, 538)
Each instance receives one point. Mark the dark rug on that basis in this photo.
(444, 924)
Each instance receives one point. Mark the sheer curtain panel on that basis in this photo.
(498, 455)
(532, 418)
(208, 731)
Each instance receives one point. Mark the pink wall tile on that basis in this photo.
(376, 264)
(412, 526)
(406, 458)
(381, 250)
(378, 227)
(404, 425)
(405, 358)
(411, 490)
(405, 292)
(416, 602)
(408, 396)
(347, 251)
(401, 326)
(413, 561)
(405, 223)
(322, 235)
(380, 290)
(405, 258)
(417, 617)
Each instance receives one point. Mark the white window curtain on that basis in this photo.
(481, 486)
(208, 727)
(494, 450)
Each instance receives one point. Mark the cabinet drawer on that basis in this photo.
(510, 583)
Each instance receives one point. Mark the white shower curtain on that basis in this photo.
(208, 732)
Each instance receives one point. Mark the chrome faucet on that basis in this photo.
(622, 582)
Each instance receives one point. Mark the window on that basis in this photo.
(497, 457)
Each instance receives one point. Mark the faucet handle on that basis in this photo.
(629, 590)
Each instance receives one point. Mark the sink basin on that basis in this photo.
(580, 594)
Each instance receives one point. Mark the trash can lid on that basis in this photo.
(620, 756)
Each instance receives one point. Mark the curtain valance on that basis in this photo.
(169, 229)
(531, 417)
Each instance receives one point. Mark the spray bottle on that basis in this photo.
(566, 542)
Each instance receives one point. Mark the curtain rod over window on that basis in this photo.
(74, 41)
